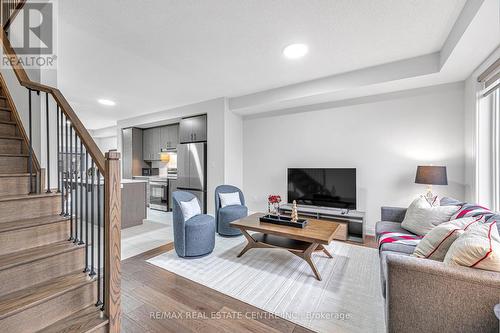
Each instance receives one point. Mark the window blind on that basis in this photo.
(490, 78)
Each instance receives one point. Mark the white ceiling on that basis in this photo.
(153, 55)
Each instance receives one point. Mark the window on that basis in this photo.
(488, 138)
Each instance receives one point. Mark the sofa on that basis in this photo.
(423, 295)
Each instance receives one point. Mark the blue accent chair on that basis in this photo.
(225, 215)
(196, 236)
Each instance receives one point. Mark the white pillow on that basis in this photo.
(421, 217)
(478, 247)
(190, 208)
(228, 199)
(436, 243)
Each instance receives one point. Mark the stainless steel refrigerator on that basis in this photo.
(192, 170)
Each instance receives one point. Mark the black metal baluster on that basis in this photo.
(98, 238)
(86, 212)
(81, 193)
(30, 159)
(48, 140)
(75, 171)
(58, 153)
(70, 175)
(92, 271)
(66, 175)
(63, 166)
(103, 244)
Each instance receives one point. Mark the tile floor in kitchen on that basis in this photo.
(156, 230)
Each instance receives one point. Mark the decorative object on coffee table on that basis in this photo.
(431, 175)
(283, 220)
(301, 242)
(273, 204)
(295, 214)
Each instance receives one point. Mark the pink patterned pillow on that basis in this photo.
(471, 210)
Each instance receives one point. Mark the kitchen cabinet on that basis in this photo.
(132, 160)
(193, 129)
(157, 138)
(169, 136)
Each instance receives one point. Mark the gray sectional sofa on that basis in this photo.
(423, 295)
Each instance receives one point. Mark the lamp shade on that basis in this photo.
(431, 175)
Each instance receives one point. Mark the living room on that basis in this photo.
(283, 166)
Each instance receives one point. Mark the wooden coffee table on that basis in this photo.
(301, 242)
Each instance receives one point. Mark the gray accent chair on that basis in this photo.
(423, 295)
(225, 215)
(196, 236)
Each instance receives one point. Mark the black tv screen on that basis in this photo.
(323, 187)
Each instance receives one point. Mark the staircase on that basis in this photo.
(43, 287)
(59, 247)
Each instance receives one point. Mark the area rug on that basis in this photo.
(348, 299)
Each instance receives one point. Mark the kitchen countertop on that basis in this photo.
(129, 181)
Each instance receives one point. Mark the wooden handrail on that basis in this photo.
(66, 108)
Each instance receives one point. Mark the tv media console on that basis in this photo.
(352, 222)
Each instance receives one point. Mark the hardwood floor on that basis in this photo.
(156, 300)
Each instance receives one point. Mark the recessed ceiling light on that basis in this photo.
(295, 51)
(106, 102)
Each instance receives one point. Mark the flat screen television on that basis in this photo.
(333, 187)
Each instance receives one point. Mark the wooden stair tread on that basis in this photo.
(9, 175)
(23, 224)
(10, 137)
(14, 155)
(3, 108)
(36, 253)
(8, 122)
(3, 97)
(23, 299)
(86, 320)
(27, 196)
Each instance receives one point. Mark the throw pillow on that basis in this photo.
(470, 210)
(228, 199)
(478, 247)
(421, 217)
(190, 208)
(437, 242)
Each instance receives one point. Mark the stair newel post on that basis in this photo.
(112, 240)
(92, 230)
(30, 153)
(59, 152)
(81, 192)
(98, 238)
(47, 116)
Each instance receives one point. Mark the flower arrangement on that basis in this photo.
(273, 204)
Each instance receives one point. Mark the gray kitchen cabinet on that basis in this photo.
(172, 136)
(193, 129)
(132, 144)
(147, 142)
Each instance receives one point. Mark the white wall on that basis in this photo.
(233, 149)
(385, 139)
(107, 144)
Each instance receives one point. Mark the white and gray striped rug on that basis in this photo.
(347, 300)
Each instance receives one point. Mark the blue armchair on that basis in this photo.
(196, 236)
(225, 215)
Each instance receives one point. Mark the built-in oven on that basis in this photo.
(158, 194)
